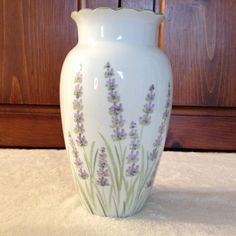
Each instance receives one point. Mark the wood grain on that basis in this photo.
(35, 37)
(202, 132)
(204, 111)
(190, 128)
(200, 40)
(30, 126)
(101, 3)
(139, 5)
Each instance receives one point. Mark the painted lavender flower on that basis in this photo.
(132, 170)
(133, 156)
(157, 144)
(148, 107)
(116, 108)
(103, 172)
(151, 180)
(78, 115)
(77, 162)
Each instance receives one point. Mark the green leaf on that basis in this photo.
(113, 162)
(86, 200)
(117, 212)
(101, 204)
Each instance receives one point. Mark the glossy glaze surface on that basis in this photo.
(116, 95)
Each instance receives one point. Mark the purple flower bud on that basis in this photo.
(162, 128)
(109, 73)
(78, 77)
(148, 108)
(145, 119)
(153, 155)
(81, 140)
(133, 157)
(102, 163)
(150, 97)
(107, 65)
(77, 104)
(151, 88)
(102, 172)
(78, 117)
(167, 104)
(118, 134)
(132, 170)
(78, 162)
(133, 133)
(103, 181)
(83, 174)
(165, 114)
(78, 91)
(158, 141)
(117, 122)
(102, 154)
(111, 84)
(79, 128)
(113, 97)
(132, 125)
(116, 109)
(135, 144)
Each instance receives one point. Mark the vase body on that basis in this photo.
(116, 96)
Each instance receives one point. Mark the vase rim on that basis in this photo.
(118, 10)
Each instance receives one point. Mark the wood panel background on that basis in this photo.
(200, 40)
(199, 37)
(35, 37)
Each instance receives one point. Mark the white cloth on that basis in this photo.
(193, 194)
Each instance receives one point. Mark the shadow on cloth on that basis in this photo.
(190, 206)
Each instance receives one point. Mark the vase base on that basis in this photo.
(115, 215)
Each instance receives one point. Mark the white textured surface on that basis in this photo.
(194, 194)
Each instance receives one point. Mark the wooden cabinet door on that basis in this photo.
(200, 41)
(35, 36)
(198, 36)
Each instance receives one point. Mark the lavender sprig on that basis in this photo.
(132, 170)
(133, 155)
(77, 162)
(161, 130)
(116, 108)
(78, 115)
(148, 107)
(102, 171)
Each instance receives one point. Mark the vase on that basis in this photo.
(115, 96)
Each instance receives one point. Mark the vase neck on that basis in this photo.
(122, 26)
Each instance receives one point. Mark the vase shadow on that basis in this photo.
(175, 205)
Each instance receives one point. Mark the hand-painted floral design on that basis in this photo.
(133, 156)
(148, 107)
(158, 142)
(77, 161)
(78, 107)
(103, 172)
(116, 107)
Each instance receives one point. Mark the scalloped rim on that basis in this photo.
(122, 9)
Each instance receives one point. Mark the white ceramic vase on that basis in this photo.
(116, 96)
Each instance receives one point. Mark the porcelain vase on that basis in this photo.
(115, 96)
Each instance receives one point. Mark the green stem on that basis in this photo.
(141, 133)
(91, 177)
(122, 160)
